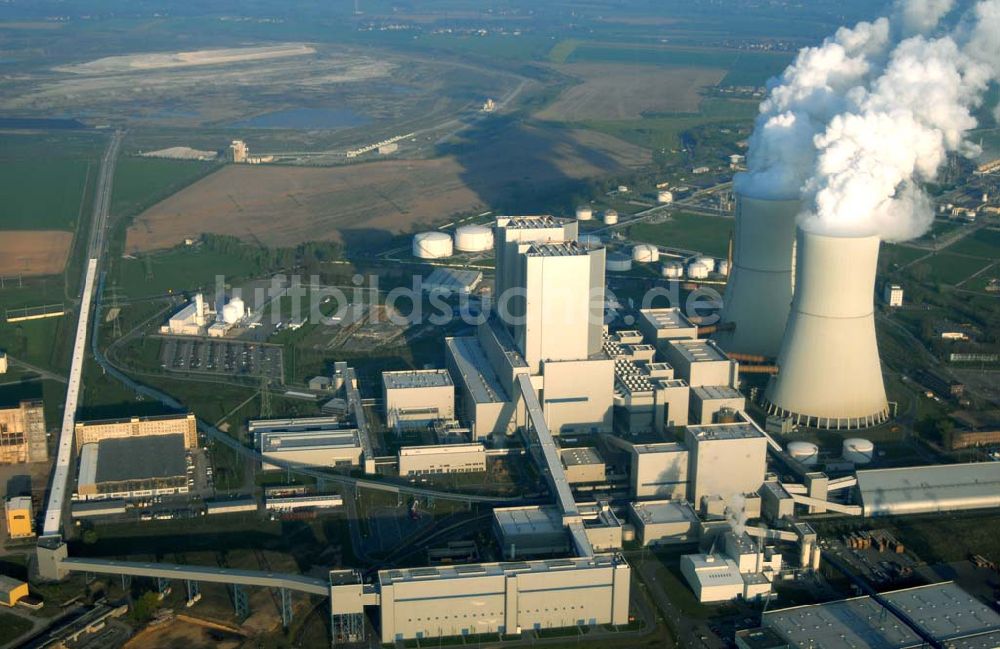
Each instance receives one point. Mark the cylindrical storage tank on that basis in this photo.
(432, 245)
(707, 262)
(644, 253)
(664, 196)
(858, 450)
(759, 290)
(830, 374)
(697, 270)
(673, 269)
(618, 263)
(722, 267)
(589, 240)
(474, 238)
(584, 213)
(610, 217)
(805, 452)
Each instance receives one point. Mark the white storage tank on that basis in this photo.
(664, 196)
(858, 450)
(707, 262)
(673, 269)
(610, 217)
(432, 245)
(474, 238)
(584, 213)
(805, 452)
(618, 263)
(722, 267)
(645, 253)
(589, 240)
(697, 270)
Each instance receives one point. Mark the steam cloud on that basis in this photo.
(855, 125)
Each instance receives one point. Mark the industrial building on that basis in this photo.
(943, 613)
(452, 281)
(442, 458)
(701, 362)
(308, 441)
(311, 501)
(582, 465)
(659, 470)
(22, 433)
(660, 522)
(197, 318)
(4, 363)
(929, 489)
(647, 397)
(707, 402)
(417, 398)
(726, 460)
(530, 531)
(92, 432)
(661, 325)
(132, 467)
(19, 517)
(712, 577)
(12, 591)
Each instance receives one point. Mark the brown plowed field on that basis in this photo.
(360, 203)
(34, 252)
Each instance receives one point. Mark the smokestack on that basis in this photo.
(830, 375)
(759, 292)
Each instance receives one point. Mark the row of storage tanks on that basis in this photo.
(437, 244)
(644, 253)
(854, 449)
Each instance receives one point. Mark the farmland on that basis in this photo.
(34, 252)
(140, 182)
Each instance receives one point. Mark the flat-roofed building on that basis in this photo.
(530, 531)
(132, 467)
(708, 400)
(660, 325)
(417, 397)
(12, 591)
(701, 362)
(760, 639)
(929, 489)
(659, 470)
(449, 281)
(22, 433)
(19, 517)
(603, 528)
(712, 577)
(484, 402)
(726, 460)
(582, 465)
(442, 458)
(507, 598)
(661, 522)
(308, 441)
(91, 432)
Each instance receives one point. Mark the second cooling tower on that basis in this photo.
(829, 371)
(759, 291)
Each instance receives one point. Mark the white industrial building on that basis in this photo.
(442, 458)
(311, 441)
(582, 465)
(726, 460)
(712, 577)
(661, 325)
(659, 470)
(707, 401)
(417, 397)
(198, 319)
(647, 397)
(892, 295)
(929, 489)
(701, 362)
(661, 522)
(530, 531)
(452, 281)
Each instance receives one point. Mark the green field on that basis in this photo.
(178, 270)
(44, 180)
(708, 234)
(141, 182)
(948, 268)
(984, 243)
(12, 627)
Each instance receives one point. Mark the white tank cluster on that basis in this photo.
(805, 452)
(645, 253)
(664, 196)
(610, 217)
(584, 213)
(707, 262)
(234, 311)
(474, 238)
(722, 267)
(672, 269)
(697, 270)
(432, 245)
(858, 450)
(589, 240)
(618, 263)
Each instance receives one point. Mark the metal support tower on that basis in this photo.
(89, 577)
(347, 628)
(286, 607)
(193, 589)
(126, 583)
(241, 602)
(162, 585)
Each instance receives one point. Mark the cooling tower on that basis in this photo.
(761, 279)
(829, 371)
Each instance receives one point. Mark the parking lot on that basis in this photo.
(222, 357)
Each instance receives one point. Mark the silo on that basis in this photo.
(645, 253)
(610, 217)
(707, 262)
(697, 270)
(858, 450)
(474, 238)
(829, 374)
(618, 263)
(432, 245)
(759, 291)
(722, 267)
(584, 213)
(673, 269)
(805, 452)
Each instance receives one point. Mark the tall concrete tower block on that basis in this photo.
(829, 371)
(759, 291)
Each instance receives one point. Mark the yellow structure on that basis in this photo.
(91, 432)
(12, 590)
(19, 517)
(22, 433)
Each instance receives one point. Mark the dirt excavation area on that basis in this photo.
(34, 252)
(362, 204)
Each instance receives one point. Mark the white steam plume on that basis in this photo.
(855, 125)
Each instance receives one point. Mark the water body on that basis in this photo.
(306, 118)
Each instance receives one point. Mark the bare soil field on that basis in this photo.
(362, 204)
(180, 634)
(34, 252)
(157, 60)
(612, 91)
